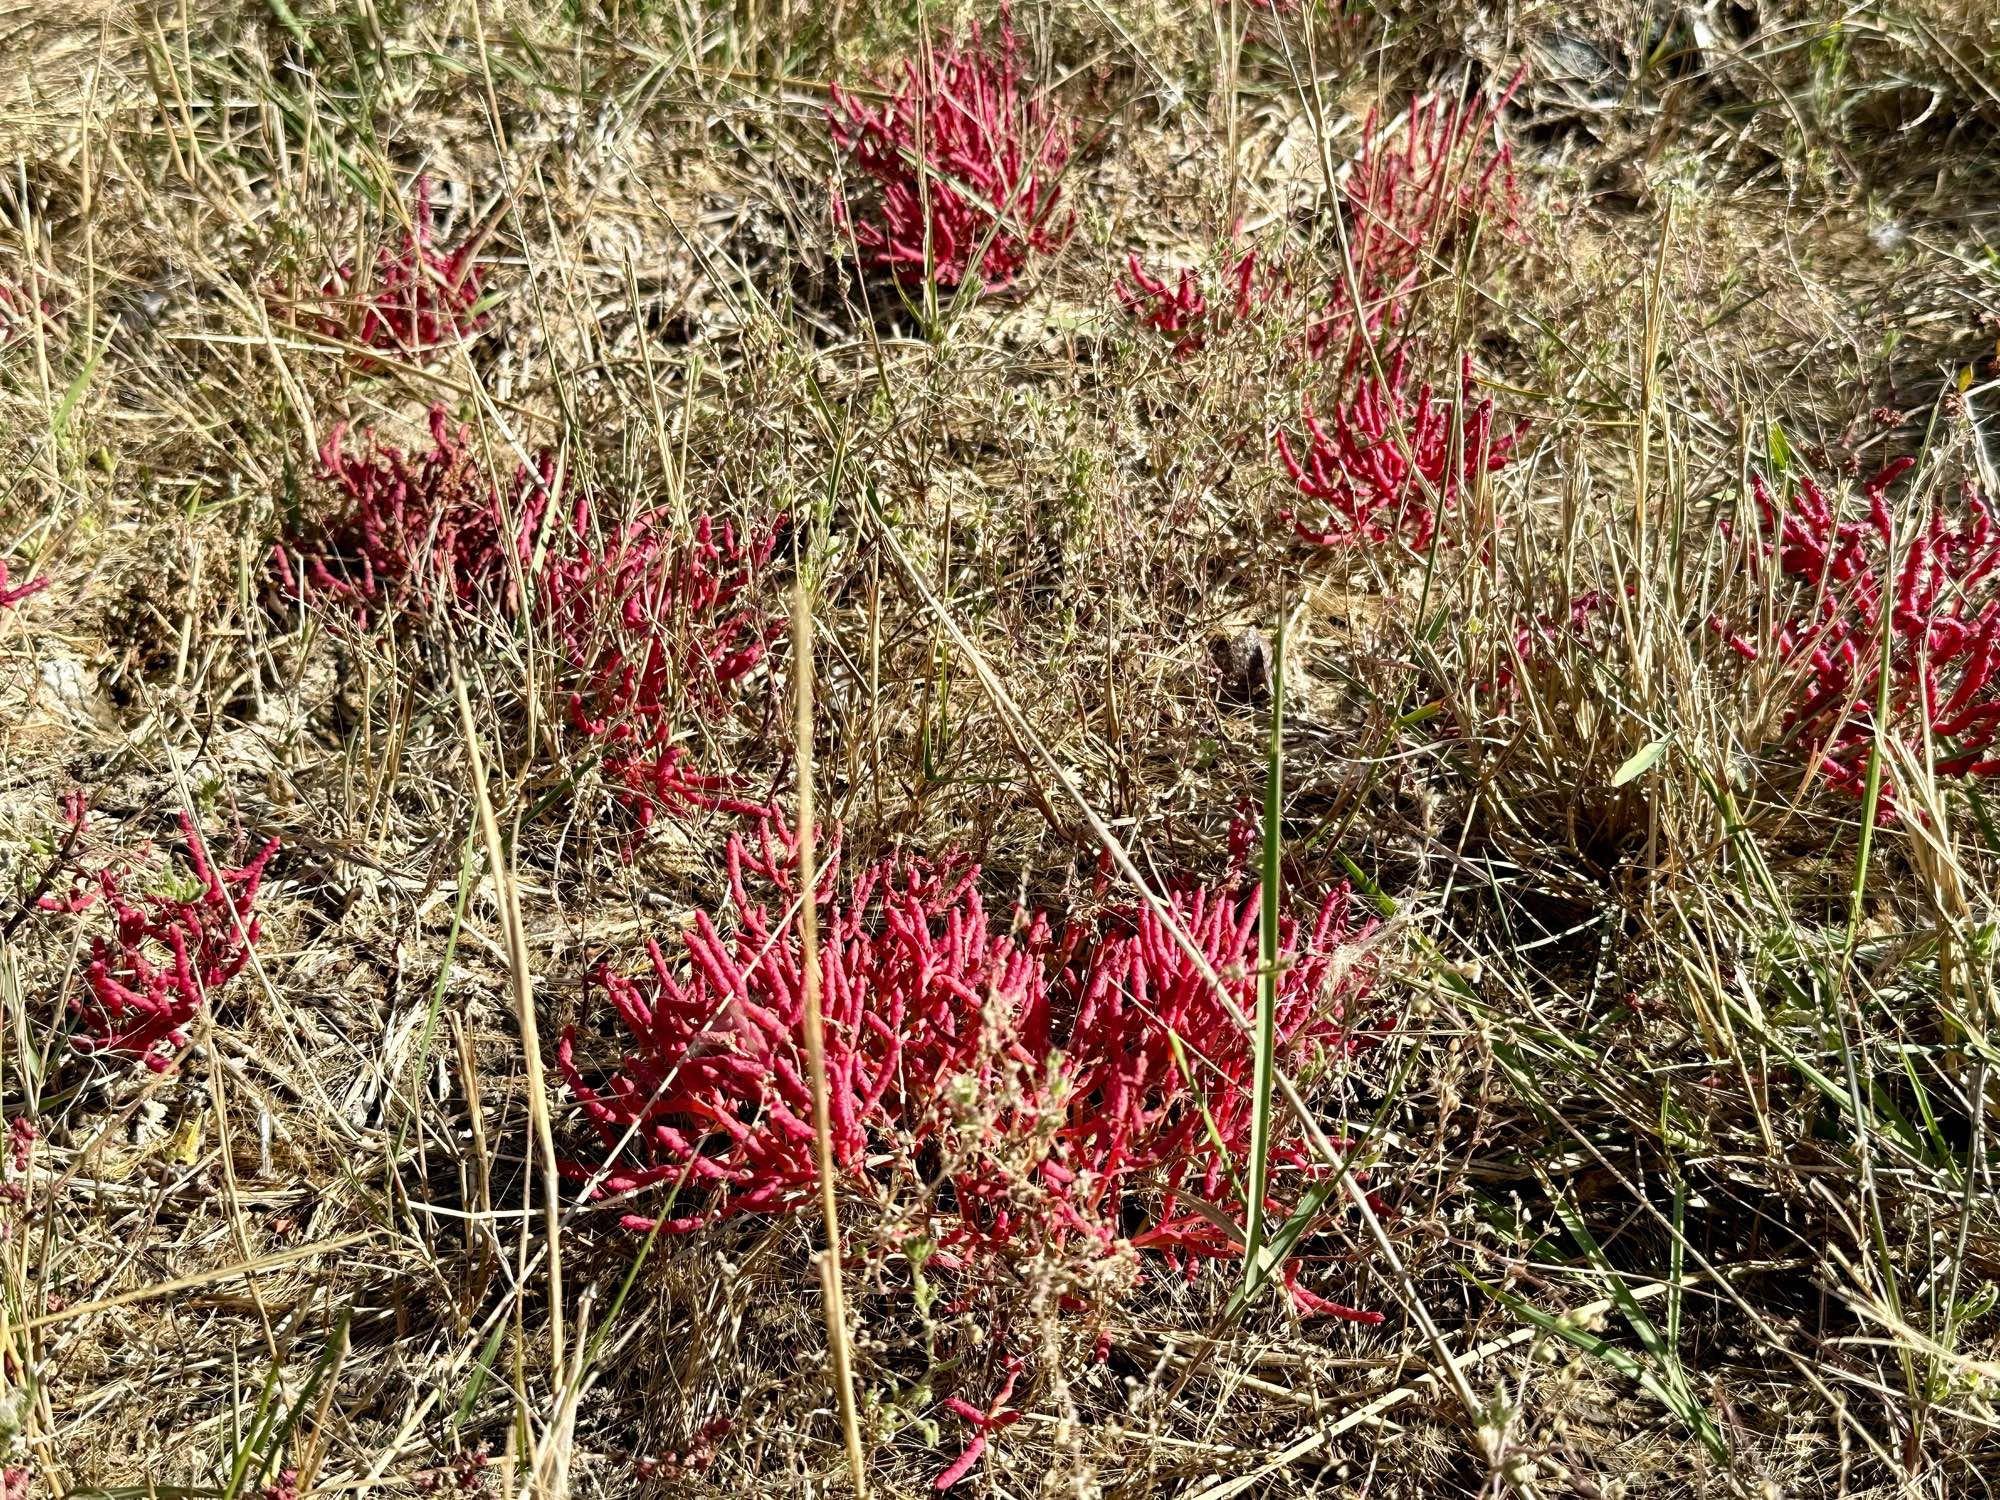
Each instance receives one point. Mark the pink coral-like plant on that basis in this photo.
(1383, 466)
(416, 532)
(649, 626)
(1941, 595)
(713, 1092)
(967, 164)
(168, 954)
(1033, 1092)
(1039, 1088)
(1165, 1071)
(418, 299)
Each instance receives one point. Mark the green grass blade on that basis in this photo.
(1265, 1039)
(1609, 1354)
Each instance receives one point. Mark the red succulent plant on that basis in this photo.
(417, 532)
(966, 159)
(652, 627)
(1182, 311)
(1409, 197)
(415, 298)
(1382, 466)
(1868, 620)
(172, 950)
(1033, 1090)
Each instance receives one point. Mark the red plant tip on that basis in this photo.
(966, 161)
(74, 807)
(1383, 466)
(413, 534)
(15, 593)
(1942, 598)
(168, 955)
(416, 300)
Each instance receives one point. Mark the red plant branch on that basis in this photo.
(966, 164)
(648, 626)
(1182, 311)
(12, 594)
(997, 1416)
(1167, 1072)
(1407, 201)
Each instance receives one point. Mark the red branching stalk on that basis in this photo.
(13, 593)
(169, 953)
(1942, 595)
(1384, 467)
(997, 1416)
(955, 1050)
(1182, 311)
(1408, 199)
(418, 298)
(417, 532)
(651, 626)
(966, 163)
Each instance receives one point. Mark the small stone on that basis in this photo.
(1242, 668)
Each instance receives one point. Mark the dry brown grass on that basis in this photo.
(1672, 1130)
